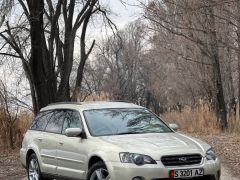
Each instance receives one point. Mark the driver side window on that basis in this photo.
(72, 120)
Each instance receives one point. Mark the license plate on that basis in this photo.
(188, 173)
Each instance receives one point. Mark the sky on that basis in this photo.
(125, 13)
(121, 15)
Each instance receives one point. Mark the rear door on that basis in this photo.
(50, 138)
(36, 133)
(71, 152)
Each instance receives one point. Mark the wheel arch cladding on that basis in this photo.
(29, 153)
(94, 159)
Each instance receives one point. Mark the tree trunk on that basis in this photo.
(41, 67)
(11, 141)
(238, 55)
(221, 106)
(84, 54)
(148, 99)
(237, 112)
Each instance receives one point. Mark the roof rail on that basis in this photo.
(69, 102)
(126, 101)
(81, 103)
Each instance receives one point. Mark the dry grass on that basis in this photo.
(19, 128)
(201, 120)
(22, 125)
(202, 123)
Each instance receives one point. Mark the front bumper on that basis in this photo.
(23, 157)
(124, 171)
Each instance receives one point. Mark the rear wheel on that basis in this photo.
(98, 171)
(33, 169)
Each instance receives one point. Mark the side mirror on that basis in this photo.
(73, 132)
(173, 126)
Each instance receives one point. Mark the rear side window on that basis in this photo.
(72, 120)
(41, 121)
(55, 122)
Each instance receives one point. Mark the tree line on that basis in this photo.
(179, 53)
(176, 54)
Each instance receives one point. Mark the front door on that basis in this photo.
(71, 154)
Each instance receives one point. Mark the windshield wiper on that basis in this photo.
(124, 133)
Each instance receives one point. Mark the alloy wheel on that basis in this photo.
(100, 174)
(33, 170)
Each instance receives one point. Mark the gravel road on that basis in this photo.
(226, 175)
(227, 147)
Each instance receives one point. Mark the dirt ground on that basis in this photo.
(227, 147)
(10, 166)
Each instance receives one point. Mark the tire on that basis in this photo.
(96, 170)
(33, 169)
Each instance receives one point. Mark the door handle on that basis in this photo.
(61, 143)
(40, 139)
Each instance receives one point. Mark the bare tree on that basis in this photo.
(9, 115)
(124, 69)
(5, 7)
(49, 63)
(196, 23)
(121, 57)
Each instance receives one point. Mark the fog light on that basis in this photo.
(138, 178)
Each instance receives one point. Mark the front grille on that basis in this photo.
(181, 160)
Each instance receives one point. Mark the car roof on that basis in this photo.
(91, 105)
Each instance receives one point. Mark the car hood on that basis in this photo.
(157, 145)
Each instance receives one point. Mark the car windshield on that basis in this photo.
(102, 122)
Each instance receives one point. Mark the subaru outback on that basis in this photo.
(112, 141)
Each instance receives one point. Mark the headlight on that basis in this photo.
(210, 155)
(137, 159)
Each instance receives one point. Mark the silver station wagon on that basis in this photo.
(112, 141)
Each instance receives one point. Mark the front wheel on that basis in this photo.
(33, 168)
(98, 171)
